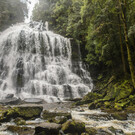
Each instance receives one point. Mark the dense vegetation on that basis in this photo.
(104, 28)
(105, 31)
(11, 12)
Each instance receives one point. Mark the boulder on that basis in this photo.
(25, 112)
(119, 115)
(116, 131)
(9, 96)
(20, 121)
(73, 127)
(57, 117)
(10, 101)
(21, 130)
(91, 131)
(102, 132)
(47, 129)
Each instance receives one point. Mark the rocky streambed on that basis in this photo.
(63, 119)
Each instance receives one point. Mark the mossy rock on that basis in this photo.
(57, 117)
(119, 115)
(60, 119)
(20, 121)
(73, 127)
(130, 109)
(90, 97)
(119, 91)
(21, 130)
(29, 112)
(107, 104)
(115, 131)
(120, 106)
(23, 112)
(91, 131)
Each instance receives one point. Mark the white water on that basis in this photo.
(102, 122)
(37, 63)
(30, 6)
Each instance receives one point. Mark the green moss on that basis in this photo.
(58, 117)
(91, 131)
(21, 130)
(89, 98)
(119, 91)
(20, 121)
(23, 112)
(107, 104)
(119, 115)
(73, 127)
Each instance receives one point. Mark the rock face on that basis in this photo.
(47, 129)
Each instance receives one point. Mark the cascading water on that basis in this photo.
(35, 62)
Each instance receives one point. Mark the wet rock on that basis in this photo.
(116, 131)
(57, 117)
(24, 112)
(10, 101)
(119, 115)
(89, 98)
(73, 127)
(20, 121)
(131, 116)
(21, 130)
(47, 129)
(99, 117)
(33, 100)
(79, 109)
(74, 99)
(91, 131)
(120, 90)
(85, 134)
(9, 96)
(102, 132)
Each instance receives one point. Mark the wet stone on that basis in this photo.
(47, 129)
(33, 100)
(10, 101)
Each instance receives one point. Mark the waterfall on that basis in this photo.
(37, 63)
(30, 6)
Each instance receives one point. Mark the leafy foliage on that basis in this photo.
(99, 29)
(10, 12)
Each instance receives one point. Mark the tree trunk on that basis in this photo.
(121, 47)
(123, 19)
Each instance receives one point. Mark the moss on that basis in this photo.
(21, 130)
(73, 127)
(29, 112)
(20, 121)
(90, 97)
(107, 104)
(119, 91)
(23, 112)
(91, 131)
(58, 117)
(119, 115)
